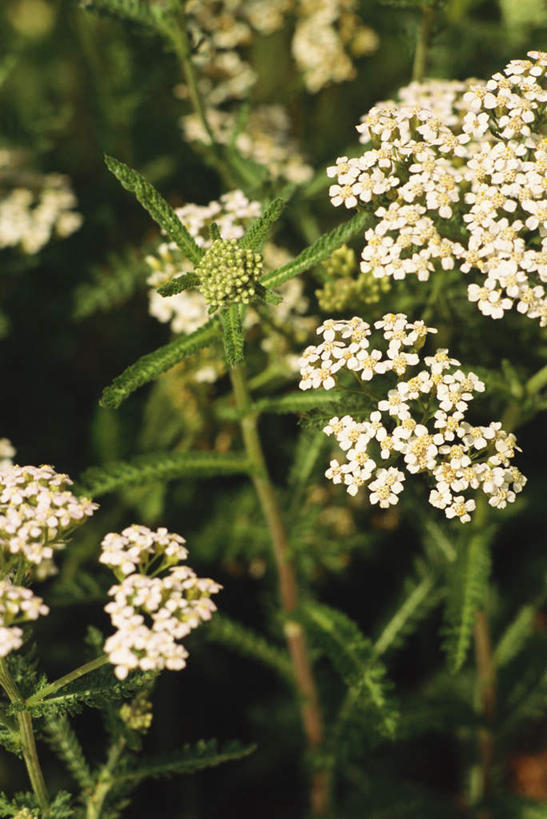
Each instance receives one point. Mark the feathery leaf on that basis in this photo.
(319, 250)
(248, 643)
(113, 284)
(151, 365)
(257, 232)
(179, 284)
(162, 467)
(467, 589)
(160, 211)
(233, 334)
(191, 758)
(66, 745)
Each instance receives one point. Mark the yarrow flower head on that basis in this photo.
(229, 274)
(38, 512)
(464, 166)
(152, 613)
(17, 605)
(420, 422)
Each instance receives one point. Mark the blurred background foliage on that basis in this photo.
(73, 86)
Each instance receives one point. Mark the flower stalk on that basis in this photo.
(288, 587)
(56, 685)
(26, 737)
(422, 45)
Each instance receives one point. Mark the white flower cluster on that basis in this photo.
(34, 207)
(420, 420)
(138, 547)
(327, 35)
(38, 511)
(17, 605)
(266, 139)
(151, 613)
(457, 179)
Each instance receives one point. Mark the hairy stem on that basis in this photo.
(52, 688)
(105, 780)
(288, 588)
(422, 44)
(26, 737)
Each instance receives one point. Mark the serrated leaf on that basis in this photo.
(162, 467)
(245, 641)
(319, 250)
(353, 657)
(191, 758)
(233, 335)
(160, 211)
(467, 587)
(179, 284)
(258, 231)
(151, 365)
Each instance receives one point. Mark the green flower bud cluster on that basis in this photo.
(344, 287)
(229, 274)
(137, 714)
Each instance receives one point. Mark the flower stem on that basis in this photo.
(105, 780)
(486, 691)
(288, 587)
(422, 43)
(26, 737)
(52, 688)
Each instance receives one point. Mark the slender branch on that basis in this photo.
(105, 780)
(26, 737)
(52, 688)
(288, 587)
(486, 691)
(422, 44)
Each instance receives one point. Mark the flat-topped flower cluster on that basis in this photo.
(38, 512)
(156, 602)
(419, 423)
(458, 184)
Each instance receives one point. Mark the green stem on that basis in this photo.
(296, 639)
(53, 687)
(26, 737)
(422, 43)
(105, 780)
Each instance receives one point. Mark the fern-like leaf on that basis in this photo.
(160, 211)
(179, 284)
(191, 758)
(233, 335)
(149, 15)
(467, 589)
(354, 658)
(162, 467)
(248, 643)
(66, 745)
(516, 635)
(258, 231)
(419, 597)
(151, 365)
(113, 284)
(319, 250)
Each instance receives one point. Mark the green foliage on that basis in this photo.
(353, 657)
(233, 334)
(148, 468)
(258, 231)
(179, 284)
(151, 365)
(466, 592)
(65, 743)
(419, 597)
(319, 250)
(150, 15)
(248, 643)
(113, 283)
(191, 758)
(516, 635)
(162, 213)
